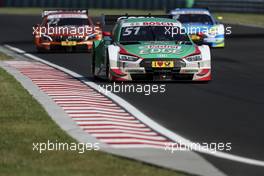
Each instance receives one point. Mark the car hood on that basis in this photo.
(196, 27)
(169, 50)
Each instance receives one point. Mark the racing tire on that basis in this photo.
(107, 69)
(93, 65)
(40, 50)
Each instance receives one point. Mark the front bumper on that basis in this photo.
(198, 71)
(215, 41)
(86, 45)
(65, 42)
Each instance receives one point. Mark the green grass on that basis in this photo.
(20, 11)
(4, 57)
(250, 19)
(23, 121)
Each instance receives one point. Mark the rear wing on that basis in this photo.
(47, 12)
(204, 10)
(113, 19)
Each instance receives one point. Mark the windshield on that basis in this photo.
(68, 22)
(195, 18)
(152, 33)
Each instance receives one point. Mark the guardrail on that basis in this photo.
(247, 6)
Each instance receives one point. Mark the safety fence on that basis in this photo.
(247, 6)
(110, 4)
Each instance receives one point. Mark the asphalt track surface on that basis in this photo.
(228, 109)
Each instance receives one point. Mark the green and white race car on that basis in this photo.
(150, 48)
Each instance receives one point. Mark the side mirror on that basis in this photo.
(107, 37)
(107, 34)
(198, 39)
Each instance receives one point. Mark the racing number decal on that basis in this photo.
(128, 31)
(53, 21)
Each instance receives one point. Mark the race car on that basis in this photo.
(201, 24)
(149, 48)
(66, 29)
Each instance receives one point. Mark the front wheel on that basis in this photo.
(107, 69)
(93, 65)
(40, 50)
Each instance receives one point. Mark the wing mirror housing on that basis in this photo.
(107, 34)
(198, 39)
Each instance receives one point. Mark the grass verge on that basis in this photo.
(249, 19)
(23, 122)
(4, 57)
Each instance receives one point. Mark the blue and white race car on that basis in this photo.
(199, 23)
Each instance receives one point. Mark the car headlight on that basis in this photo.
(213, 31)
(193, 58)
(216, 30)
(128, 58)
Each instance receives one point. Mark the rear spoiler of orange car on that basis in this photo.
(112, 19)
(47, 12)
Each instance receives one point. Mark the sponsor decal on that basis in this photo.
(159, 51)
(158, 24)
(68, 43)
(162, 46)
(190, 71)
(162, 64)
(151, 24)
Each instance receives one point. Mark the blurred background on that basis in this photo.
(249, 6)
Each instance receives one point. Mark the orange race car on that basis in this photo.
(66, 29)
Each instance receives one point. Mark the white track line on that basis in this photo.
(142, 117)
